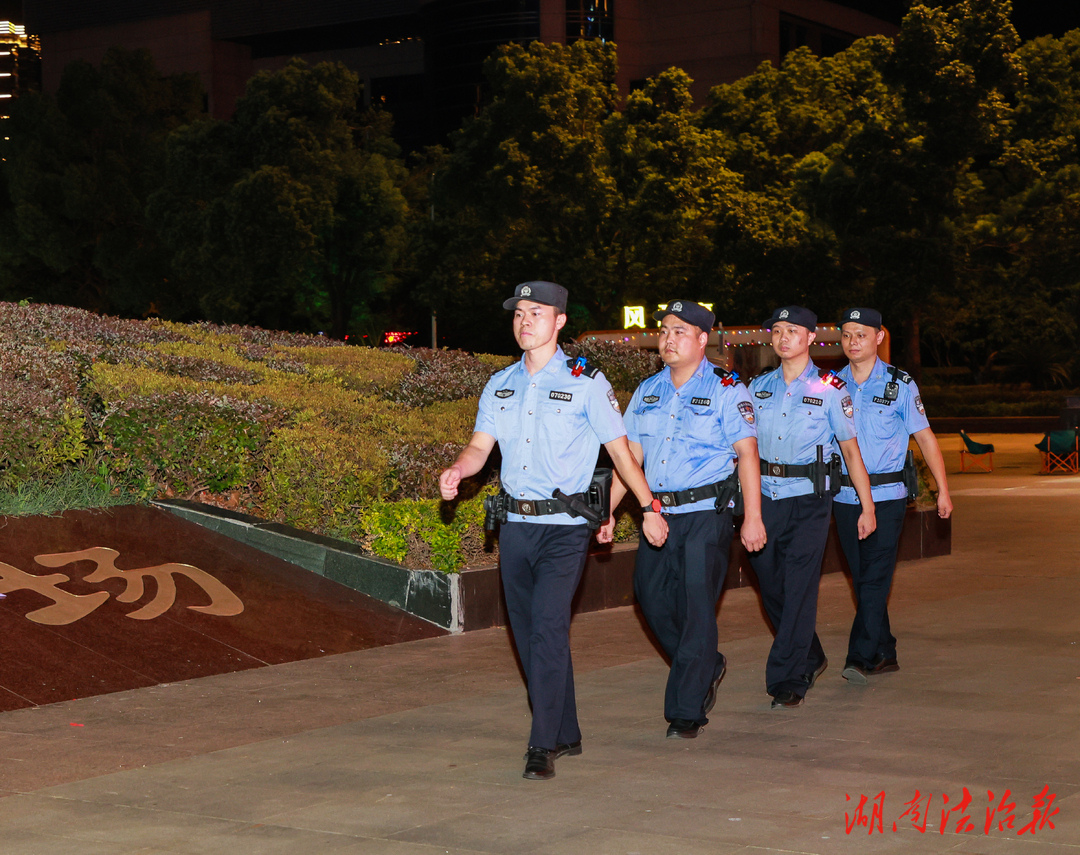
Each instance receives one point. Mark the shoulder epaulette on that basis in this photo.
(899, 374)
(830, 379)
(581, 366)
(727, 378)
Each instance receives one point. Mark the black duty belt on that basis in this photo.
(686, 497)
(541, 507)
(876, 480)
(787, 470)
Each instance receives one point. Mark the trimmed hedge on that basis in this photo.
(340, 440)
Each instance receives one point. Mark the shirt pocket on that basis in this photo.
(650, 420)
(699, 423)
(507, 414)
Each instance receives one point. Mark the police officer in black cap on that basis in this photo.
(549, 415)
(804, 417)
(690, 423)
(888, 411)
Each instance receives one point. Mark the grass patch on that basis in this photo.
(72, 489)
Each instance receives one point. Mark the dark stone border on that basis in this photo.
(473, 599)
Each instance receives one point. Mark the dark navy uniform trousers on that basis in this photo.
(541, 567)
(789, 572)
(872, 562)
(677, 586)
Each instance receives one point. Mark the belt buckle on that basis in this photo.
(525, 507)
(667, 498)
(776, 469)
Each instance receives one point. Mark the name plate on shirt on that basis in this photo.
(561, 396)
(884, 401)
(701, 402)
(817, 402)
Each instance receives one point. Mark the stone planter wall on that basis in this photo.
(473, 599)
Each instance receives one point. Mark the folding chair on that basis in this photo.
(1061, 451)
(981, 454)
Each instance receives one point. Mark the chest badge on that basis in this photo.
(650, 399)
(504, 393)
(763, 394)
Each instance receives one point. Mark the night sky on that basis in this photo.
(11, 10)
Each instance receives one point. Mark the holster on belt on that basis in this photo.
(911, 475)
(730, 489)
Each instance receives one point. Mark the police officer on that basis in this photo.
(549, 416)
(689, 423)
(804, 415)
(888, 411)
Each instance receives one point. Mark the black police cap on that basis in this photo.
(547, 293)
(689, 311)
(793, 315)
(867, 317)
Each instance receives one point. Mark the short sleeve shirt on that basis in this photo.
(688, 434)
(549, 426)
(884, 426)
(793, 420)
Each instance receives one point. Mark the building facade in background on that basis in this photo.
(422, 59)
(20, 63)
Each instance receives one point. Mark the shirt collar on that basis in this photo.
(559, 358)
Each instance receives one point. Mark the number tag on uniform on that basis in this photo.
(817, 402)
(701, 402)
(560, 396)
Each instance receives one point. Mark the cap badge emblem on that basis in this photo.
(855, 315)
(526, 291)
(676, 306)
(783, 313)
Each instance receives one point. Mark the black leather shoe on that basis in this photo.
(710, 696)
(786, 699)
(812, 678)
(565, 748)
(682, 728)
(539, 764)
(884, 666)
(854, 674)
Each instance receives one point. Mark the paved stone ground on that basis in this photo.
(417, 748)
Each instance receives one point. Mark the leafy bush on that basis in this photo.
(345, 441)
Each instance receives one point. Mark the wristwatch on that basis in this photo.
(654, 507)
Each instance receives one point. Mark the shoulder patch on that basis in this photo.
(830, 379)
(581, 366)
(613, 400)
(746, 410)
(847, 406)
(899, 374)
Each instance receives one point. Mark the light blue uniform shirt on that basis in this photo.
(884, 427)
(688, 433)
(794, 420)
(549, 427)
